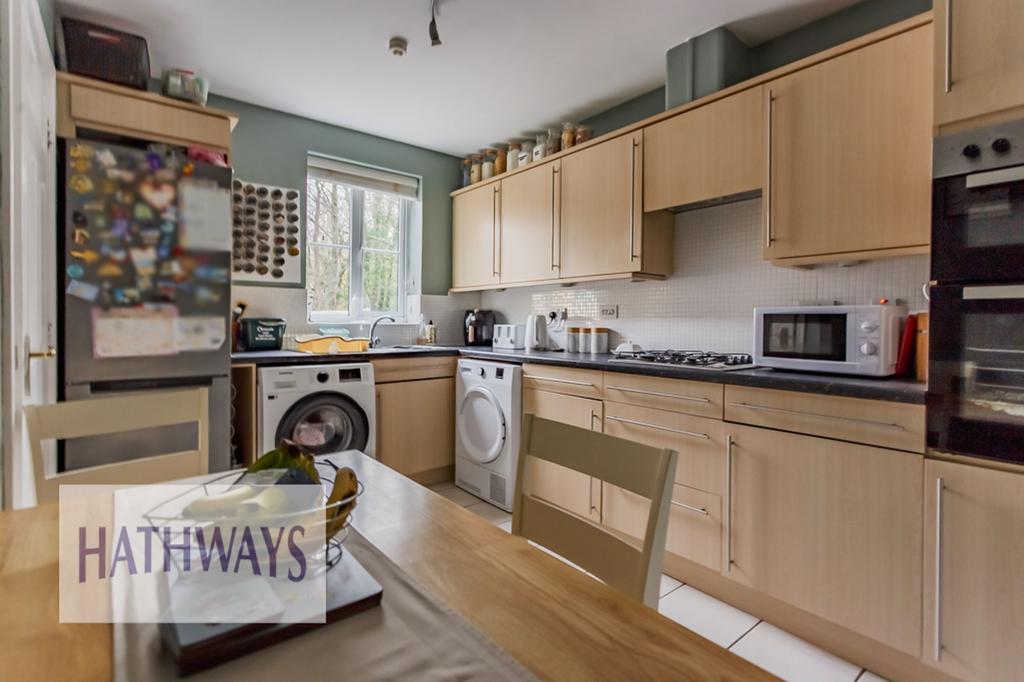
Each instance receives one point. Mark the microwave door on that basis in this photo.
(976, 389)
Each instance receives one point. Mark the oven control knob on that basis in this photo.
(1001, 145)
(869, 325)
(323, 377)
(972, 151)
(868, 349)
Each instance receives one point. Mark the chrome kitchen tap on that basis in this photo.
(375, 340)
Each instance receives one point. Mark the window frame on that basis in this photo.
(356, 249)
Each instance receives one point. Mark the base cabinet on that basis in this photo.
(974, 571)
(416, 427)
(830, 527)
(558, 485)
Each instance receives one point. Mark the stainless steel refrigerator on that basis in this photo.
(145, 266)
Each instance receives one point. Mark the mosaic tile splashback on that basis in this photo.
(718, 279)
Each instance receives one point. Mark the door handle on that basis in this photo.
(949, 46)
(728, 510)
(769, 125)
(940, 488)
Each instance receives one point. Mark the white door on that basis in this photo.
(28, 238)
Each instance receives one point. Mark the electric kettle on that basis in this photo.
(536, 332)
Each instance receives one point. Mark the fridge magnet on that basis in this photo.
(75, 271)
(81, 151)
(127, 296)
(144, 260)
(87, 256)
(80, 184)
(143, 212)
(80, 236)
(155, 161)
(110, 270)
(159, 196)
(120, 175)
(200, 333)
(260, 216)
(134, 332)
(78, 219)
(106, 158)
(96, 205)
(83, 290)
(81, 165)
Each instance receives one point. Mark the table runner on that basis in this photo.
(411, 635)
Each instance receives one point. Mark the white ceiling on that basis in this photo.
(505, 67)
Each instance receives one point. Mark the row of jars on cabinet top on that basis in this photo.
(505, 157)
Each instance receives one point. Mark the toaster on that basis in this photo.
(509, 336)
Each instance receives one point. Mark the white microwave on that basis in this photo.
(842, 339)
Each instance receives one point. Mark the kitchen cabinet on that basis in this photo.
(979, 59)
(85, 104)
(416, 428)
(713, 151)
(848, 154)
(603, 228)
(973, 571)
(832, 528)
(558, 485)
(475, 225)
(529, 224)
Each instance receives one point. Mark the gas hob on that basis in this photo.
(693, 359)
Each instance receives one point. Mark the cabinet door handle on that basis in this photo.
(659, 394)
(949, 46)
(632, 201)
(555, 211)
(816, 415)
(769, 127)
(940, 488)
(537, 377)
(728, 510)
(497, 231)
(681, 432)
(699, 510)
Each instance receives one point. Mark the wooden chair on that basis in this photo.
(642, 469)
(79, 418)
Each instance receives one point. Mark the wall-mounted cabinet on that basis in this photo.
(475, 220)
(713, 151)
(848, 147)
(528, 239)
(576, 218)
(979, 60)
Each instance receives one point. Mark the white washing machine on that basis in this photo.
(488, 409)
(325, 408)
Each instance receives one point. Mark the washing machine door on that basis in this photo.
(325, 423)
(482, 426)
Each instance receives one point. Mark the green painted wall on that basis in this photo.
(819, 35)
(49, 11)
(270, 146)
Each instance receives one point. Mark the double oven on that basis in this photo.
(976, 331)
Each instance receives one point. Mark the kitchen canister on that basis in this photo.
(487, 168)
(572, 339)
(598, 339)
(512, 156)
(525, 152)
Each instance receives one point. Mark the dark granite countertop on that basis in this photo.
(893, 390)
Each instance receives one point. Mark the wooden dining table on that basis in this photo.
(558, 622)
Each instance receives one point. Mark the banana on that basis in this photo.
(345, 485)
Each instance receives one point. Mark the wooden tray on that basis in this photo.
(198, 646)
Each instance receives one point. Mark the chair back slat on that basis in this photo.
(633, 567)
(618, 461)
(108, 416)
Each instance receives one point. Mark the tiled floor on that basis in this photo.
(765, 645)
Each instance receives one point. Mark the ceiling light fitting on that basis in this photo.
(398, 46)
(435, 39)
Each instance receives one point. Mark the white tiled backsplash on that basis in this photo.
(718, 279)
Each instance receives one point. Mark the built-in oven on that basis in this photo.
(976, 370)
(978, 206)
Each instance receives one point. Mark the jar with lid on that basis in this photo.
(512, 155)
(466, 163)
(572, 339)
(500, 152)
(487, 168)
(568, 134)
(583, 133)
(554, 143)
(598, 339)
(540, 148)
(475, 169)
(525, 152)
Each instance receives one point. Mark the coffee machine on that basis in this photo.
(478, 327)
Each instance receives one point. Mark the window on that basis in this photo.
(356, 227)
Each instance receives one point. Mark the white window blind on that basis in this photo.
(364, 177)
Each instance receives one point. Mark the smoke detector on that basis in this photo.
(398, 46)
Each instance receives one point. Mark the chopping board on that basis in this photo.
(198, 646)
